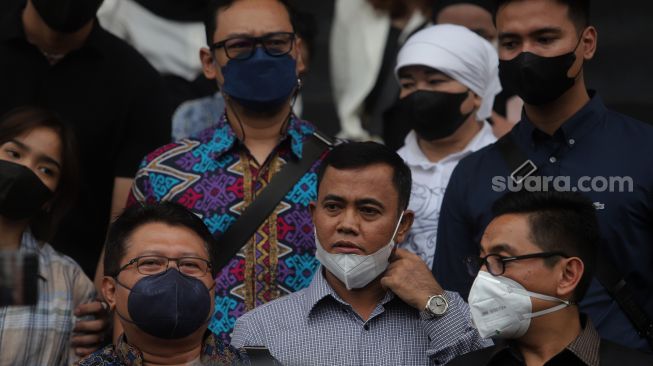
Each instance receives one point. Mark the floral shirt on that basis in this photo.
(214, 353)
(214, 175)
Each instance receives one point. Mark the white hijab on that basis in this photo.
(460, 54)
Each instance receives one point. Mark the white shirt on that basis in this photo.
(429, 183)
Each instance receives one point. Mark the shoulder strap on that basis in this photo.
(606, 272)
(260, 356)
(242, 230)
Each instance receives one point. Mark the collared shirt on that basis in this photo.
(429, 183)
(41, 334)
(116, 104)
(214, 353)
(587, 349)
(315, 327)
(214, 176)
(596, 150)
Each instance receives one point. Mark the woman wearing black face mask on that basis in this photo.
(37, 182)
(449, 77)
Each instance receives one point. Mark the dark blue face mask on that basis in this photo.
(262, 82)
(168, 305)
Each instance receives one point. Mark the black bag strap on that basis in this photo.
(606, 271)
(242, 230)
(260, 356)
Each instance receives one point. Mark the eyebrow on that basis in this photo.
(501, 247)
(159, 253)
(249, 35)
(535, 33)
(41, 157)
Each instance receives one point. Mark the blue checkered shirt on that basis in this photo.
(315, 326)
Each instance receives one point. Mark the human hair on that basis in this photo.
(134, 217)
(558, 221)
(211, 16)
(26, 118)
(353, 155)
(440, 5)
(578, 11)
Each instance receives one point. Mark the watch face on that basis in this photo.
(438, 305)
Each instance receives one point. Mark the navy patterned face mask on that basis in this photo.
(168, 305)
(262, 82)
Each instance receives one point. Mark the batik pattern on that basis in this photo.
(213, 175)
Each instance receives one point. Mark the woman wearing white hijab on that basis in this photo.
(449, 77)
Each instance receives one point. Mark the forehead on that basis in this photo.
(252, 17)
(511, 231)
(163, 239)
(373, 181)
(42, 140)
(530, 15)
(419, 71)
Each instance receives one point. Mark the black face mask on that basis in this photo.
(432, 114)
(536, 79)
(22, 194)
(66, 16)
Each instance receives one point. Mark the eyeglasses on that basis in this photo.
(242, 48)
(155, 264)
(496, 263)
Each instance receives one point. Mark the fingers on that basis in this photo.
(85, 351)
(97, 308)
(87, 340)
(91, 326)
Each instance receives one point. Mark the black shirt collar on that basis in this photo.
(575, 128)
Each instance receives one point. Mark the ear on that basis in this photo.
(109, 291)
(404, 226)
(590, 41)
(297, 52)
(572, 270)
(311, 209)
(209, 65)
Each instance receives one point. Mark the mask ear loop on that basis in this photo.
(580, 39)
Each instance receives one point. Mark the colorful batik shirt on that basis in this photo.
(214, 175)
(214, 353)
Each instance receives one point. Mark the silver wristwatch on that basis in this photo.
(436, 305)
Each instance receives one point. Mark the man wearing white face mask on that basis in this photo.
(537, 260)
(370, 303)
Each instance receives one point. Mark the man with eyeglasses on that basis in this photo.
(159, 267)
(255, 57)
(537, 260)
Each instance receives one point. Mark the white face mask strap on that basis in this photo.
(401, 216)
(546, 311)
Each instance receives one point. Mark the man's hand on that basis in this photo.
(89, 334)
(409, 278)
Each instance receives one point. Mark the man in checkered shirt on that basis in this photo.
(363, 308)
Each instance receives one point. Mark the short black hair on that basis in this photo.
(559, 221)
(353, 155)
(211, 16)
(135, 216)
(489, 5)
(578, 11)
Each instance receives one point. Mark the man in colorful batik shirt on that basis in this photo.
(255, 58)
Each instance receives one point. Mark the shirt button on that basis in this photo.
(572, 141)
(366, 327)
(553, 159)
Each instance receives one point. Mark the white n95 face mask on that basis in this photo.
(501, 307)
(354, 270)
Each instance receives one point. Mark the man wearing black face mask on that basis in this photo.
(255, 57)
(567, 141)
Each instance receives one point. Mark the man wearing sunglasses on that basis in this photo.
(255, 57)
(537, 260)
